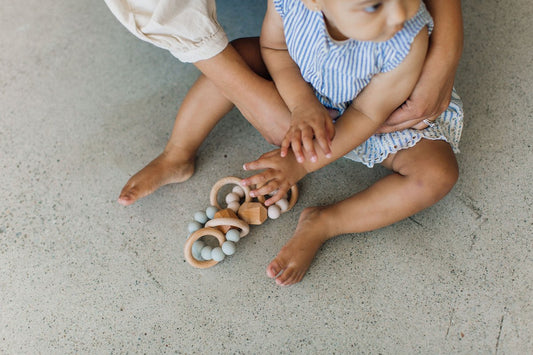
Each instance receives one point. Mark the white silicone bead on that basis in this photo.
(283, 205)
(217, 254)
(206, 252)
(197, 247)
(210, 212)
(231, 197)
(228, 248)
(234, 206)
(238, 191)
(200, 217)
(233, 235)
(274, 211)
(194, 226)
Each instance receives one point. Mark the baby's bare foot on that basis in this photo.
(293, 260)
(161, 171)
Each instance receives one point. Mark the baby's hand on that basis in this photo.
(308, 123)
(280, 174)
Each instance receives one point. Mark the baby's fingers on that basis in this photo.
(285, 144)
(269, 187)
(309, 146)
(296, 146)
(324, 143)
(277, 196)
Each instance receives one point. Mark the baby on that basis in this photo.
(341, 67)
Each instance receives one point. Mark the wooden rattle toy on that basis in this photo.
(230, 224)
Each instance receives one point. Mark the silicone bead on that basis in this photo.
(217, 254)
(274, 211)
(238, 191)
(283, 204)
(210, 212)
(231, 197)
(234, 206)
(233, 235)
(200, 217)
(206, 252)
(197, 247)
(228, 248)
(194, 226)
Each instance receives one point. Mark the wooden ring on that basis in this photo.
(187, 250)
(294, 197)
(213, 196)
(234, 222)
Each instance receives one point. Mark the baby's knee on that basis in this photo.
(440, 177)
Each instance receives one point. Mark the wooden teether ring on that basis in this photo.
(213, 197)
(234, 222)
(292, 202)
(187, 250)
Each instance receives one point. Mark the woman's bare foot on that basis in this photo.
(161, 171)
(293, 260)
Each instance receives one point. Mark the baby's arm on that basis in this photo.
(370, 109)
(309, 118)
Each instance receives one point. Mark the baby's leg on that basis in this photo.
(203, 106)
(422, 175)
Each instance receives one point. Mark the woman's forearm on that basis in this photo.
(446, 41)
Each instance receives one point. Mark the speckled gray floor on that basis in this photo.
(84, 105)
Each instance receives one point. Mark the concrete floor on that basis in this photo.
(84, 105)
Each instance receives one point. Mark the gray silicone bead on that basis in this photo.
(210, 212)
(197, 247)
(206, 252)
(217, 254)
(200, 217)
(228, 248)
(233, 235)
(194, 226)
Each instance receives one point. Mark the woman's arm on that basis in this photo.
(431, 96)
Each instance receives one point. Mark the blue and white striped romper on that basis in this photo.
(338, 71)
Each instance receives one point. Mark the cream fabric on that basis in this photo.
(187, 28)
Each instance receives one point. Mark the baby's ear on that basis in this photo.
(312, 5)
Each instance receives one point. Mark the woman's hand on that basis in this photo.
(308, 122)
(430, 97)
(279, 175)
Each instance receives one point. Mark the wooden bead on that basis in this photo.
(253, 213)
(225, 213)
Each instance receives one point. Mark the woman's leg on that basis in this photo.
(203, 106)
(422, 175)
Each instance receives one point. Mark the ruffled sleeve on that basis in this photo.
(187, 28)
(394, 51)
(284, 6)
